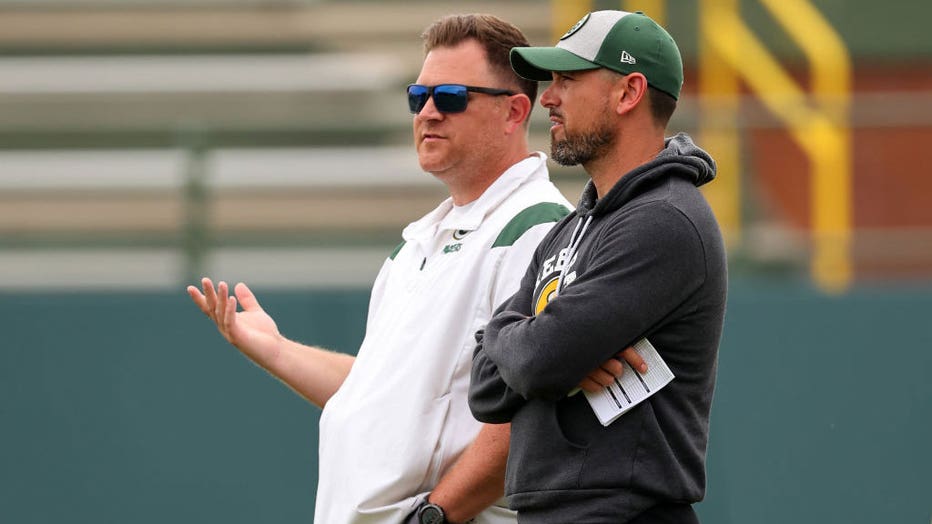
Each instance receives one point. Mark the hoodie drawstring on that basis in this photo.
(572, 248)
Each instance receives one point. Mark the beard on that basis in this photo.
(584, 147)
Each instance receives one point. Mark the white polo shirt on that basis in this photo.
(401, 418)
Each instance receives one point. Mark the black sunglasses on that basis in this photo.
(448, 98)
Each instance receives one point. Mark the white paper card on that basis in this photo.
(631, 387)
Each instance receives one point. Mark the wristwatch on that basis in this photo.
(431, 514)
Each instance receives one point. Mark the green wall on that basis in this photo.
(808, 425)
(130, 408)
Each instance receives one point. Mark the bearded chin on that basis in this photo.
(565, 153)
(581, 149)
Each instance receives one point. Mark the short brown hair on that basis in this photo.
(662, 105)
(495, 35)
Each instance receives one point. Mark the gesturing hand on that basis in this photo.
(251, 330)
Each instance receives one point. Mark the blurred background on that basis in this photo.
(144, 143)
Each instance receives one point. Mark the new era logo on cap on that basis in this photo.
(628, 59)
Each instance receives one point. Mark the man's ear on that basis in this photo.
(629, 91)
(518, 111)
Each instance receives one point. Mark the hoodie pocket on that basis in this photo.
(541, 456)
(562, 446)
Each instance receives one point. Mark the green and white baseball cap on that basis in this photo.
(617, 40)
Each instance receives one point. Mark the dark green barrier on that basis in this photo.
(130, 408)
(808, 425)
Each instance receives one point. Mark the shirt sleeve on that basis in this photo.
(378, 288)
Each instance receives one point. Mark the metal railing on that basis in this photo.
(817, 122)
(816, 119)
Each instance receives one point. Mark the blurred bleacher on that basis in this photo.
(145, 142)
(149, 141)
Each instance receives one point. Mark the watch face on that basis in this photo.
(432, 514)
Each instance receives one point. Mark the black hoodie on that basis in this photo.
(647, 260)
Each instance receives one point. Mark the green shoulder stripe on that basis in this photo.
(530, 217)
(397, 249)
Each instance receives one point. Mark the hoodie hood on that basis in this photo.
(680, 157)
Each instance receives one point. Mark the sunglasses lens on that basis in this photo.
(450, 98)
(417, 98)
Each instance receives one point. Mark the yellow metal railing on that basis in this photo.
(818, 124)
(729, 53)
(719, 105)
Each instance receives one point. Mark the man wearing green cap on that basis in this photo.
(641, 257)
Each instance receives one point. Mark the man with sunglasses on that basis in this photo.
(640, 257)
(397, 440)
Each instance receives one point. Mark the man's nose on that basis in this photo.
(429, 111)
(547, 99)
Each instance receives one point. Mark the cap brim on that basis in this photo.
(536, 63)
